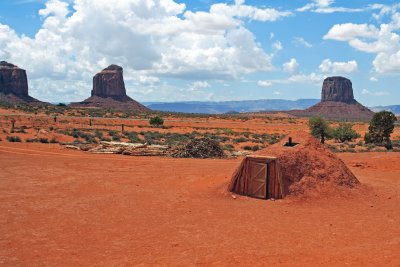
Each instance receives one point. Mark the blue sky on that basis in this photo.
(205, 50)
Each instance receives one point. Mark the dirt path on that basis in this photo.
(60, 207)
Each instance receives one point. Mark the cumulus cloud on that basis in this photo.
(291, 65)
(158, 38)
(374, 93)
(384, 41)
(327, 66)
(264, 83)
(197, 85)
(277, 46)
(325, 6)
(312, 78)
(299, 41)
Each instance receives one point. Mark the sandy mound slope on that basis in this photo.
(309, 168)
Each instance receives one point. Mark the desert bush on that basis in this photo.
(98, 134)
(53, 140)
(133, 137)
(380, 128)
(320, 128)
(240, 140)
(228, 131)
(228, 147)
(156, 121)
(247, 147)
(13, 139)
(176, 138)
(344, 132)
(43, 140)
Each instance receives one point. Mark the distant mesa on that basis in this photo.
(14, 85)
(109, 92)
(337, 102)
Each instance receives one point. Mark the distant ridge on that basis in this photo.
(209, 107)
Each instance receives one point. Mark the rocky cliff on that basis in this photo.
(109, 82)
(337, 102)
(109, 92)
(14, 84)
(338, 89)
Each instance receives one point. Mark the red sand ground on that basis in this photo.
(60, 207)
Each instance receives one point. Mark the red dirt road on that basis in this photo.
(60, 207)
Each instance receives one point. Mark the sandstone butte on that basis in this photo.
(337, 102)
(14, 85)
(109, 92)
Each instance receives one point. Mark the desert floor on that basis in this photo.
(61, 207)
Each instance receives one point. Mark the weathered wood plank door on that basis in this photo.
(258, 172)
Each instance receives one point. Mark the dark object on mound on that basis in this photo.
(199, 148)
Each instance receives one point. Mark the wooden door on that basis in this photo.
(258, 172)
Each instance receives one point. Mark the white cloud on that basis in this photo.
(264, 83)
(377, 93)
(312, 78)
(277, 46)
(384, 41)
(299, 41)
(197, 85)
(327, 66)
(373, 79)
(350, 31)
(249, 12)
(324, 6)
(149, 38)
(291, 65)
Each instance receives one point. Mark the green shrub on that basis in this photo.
(240, 140)
(380, 128)
(13, 139)
(133, 137)
(43, 140)
(344, 132)
(53, 140)
(156, 121)
(320, 128)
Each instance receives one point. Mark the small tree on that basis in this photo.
(156, 121)
(344, 132)
(320, 128)
(380, 128)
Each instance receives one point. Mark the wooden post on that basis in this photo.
(90, 122)
(12, 124)
(122, 128)
(55, 118)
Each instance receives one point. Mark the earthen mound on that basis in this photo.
(309, 165)
(308, 168)
(199, 148)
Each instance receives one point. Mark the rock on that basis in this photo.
(14, 85)
(337, 89)
(337, 102)
(109, 82)
(13, 80)
(109, 92)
